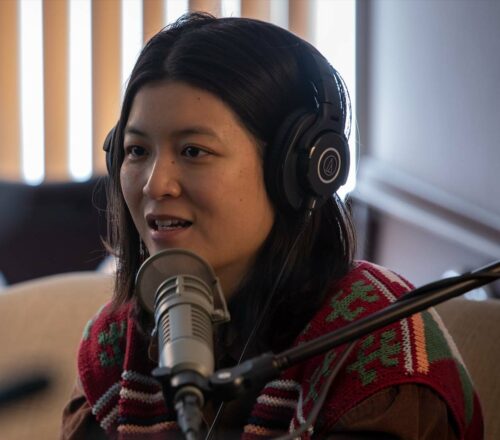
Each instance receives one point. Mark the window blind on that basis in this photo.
(60, 126)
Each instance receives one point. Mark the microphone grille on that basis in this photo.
(196, 322)
(165, 328)
(166, 264)
(202, 326)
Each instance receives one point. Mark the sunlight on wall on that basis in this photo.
(80, 90)
(334, 36)
(336, 40)
(230, 8)
(279, 13)
(174, 9)
(32, 112)
(131, 37)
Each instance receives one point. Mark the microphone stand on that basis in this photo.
(227, 384)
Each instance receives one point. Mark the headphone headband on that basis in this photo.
(309, 158)
(324, 81)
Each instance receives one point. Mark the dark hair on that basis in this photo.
(254, 67)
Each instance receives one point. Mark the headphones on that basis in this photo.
(309, 158)
(108, 147)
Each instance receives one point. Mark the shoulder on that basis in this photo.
(365, 289)
(107, 327)
(102, 349)
(115, 370)
(380, 279)
(393, 411)
(414, 350)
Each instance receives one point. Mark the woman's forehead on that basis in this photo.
(180, 107)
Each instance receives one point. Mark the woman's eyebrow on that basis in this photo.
(185, 131)
(130, 129)
(195, 129)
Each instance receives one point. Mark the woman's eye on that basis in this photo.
(193, 152)
(135, 151)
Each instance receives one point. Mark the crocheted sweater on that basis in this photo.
(114, 367)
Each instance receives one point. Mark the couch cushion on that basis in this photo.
(41, 323)
(475, 327)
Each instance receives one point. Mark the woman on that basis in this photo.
(209, 155)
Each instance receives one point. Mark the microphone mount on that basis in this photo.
(183, 294)
(227, 384)
(189, 388)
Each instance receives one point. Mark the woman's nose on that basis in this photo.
(163, 180)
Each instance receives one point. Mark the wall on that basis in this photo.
(429, 122)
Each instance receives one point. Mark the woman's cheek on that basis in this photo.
(131, 186)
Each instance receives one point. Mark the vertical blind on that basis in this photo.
(62, 73)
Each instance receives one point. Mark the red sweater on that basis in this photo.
(114, 367)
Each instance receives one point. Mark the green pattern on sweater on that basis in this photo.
(438, 349)
(86, 330)
(342, 307)
(436, 344)
(322, 371)
(111, 338)
(386, 353)
(468, 392)
(90, 323)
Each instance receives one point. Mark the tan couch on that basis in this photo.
(41, 322)
(475, 327)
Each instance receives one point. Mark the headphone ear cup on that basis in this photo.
(326, 166)
(108, 148)
(281, 173)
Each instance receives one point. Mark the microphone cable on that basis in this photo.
(449, 282)
(321, 398)
(305, 221)
(490, 273)
(275, 286)
(486, 274)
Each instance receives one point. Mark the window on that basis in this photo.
(76, 57)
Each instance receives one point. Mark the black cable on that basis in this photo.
(264, 311)
(482, 276)
(274, 289)
(321, 398)
(447, 282)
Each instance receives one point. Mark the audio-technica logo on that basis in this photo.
(329, 165)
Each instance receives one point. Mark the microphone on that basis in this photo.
(182, 292)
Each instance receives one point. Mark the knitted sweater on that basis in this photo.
(114, 367)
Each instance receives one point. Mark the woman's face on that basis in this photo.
(192, 178)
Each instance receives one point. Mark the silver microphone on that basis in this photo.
(183, 293)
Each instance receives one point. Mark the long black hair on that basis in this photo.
(255, 69)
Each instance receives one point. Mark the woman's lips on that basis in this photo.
(165, 231)
(163, 221)
(166, 225)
